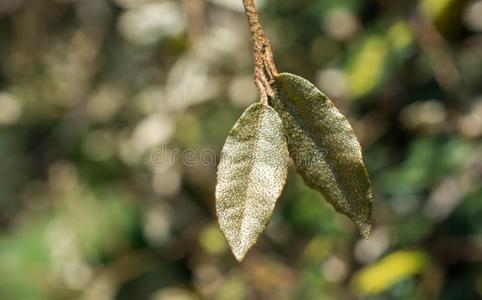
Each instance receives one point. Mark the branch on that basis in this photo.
(265, 68)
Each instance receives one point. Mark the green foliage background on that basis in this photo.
(113, 113)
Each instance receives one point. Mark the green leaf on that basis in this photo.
(324, 148)
(251, 176)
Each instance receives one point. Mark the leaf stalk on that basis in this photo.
(265, 68)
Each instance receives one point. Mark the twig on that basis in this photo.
(265, 68)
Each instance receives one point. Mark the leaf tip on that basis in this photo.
(239, 245)
(239, 256)
(363, 219)
(240, 252)
(365, 229)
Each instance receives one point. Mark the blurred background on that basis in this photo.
(113, 114)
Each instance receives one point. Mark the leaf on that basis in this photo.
(251, 176)
(393, 268)
(324, 148)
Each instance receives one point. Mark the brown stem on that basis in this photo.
(265, 68)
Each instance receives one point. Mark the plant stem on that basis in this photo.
(265, 68)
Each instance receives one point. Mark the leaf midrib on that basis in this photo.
(251, 167)
(321, 148)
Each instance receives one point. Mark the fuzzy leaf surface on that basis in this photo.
(251, 176)
(324, 148)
